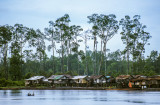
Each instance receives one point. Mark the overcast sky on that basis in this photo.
(36, 14)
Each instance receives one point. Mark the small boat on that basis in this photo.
(29, 94)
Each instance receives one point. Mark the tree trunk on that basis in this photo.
(86, 53)
(77, 57)
(21, 53)
(68, 55)
(44, 68)
(53, 44)
(100, 60)
(94, 57)
(62, 61)
(105, 55)
(5, 61)
(0, 54)
(127, 61)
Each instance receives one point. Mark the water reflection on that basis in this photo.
(41, 92)
(4, 93)
(16, 93)
(100, 99)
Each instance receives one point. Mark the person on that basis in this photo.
(130, 84)
(29, 94)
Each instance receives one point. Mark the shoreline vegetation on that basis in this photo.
(65, 88)
(77, 88)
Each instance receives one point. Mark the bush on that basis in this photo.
(5, 83)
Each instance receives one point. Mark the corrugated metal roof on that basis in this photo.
(55, 77)
(51, 77)
(45, 80)
(107, 76)
(36, 78)
(79, 77)
(58, 76)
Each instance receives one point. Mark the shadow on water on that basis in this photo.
(101, 99)
(139, 101)
(135, 101)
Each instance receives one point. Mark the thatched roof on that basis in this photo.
(123, 77)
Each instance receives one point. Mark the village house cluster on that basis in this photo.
(122, 81)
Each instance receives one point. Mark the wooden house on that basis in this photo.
(35, 80)
(98, 79)
(80, 79)
(123, 81)
(154, 81)
(138, 81)
(110, 79)
(59, 79)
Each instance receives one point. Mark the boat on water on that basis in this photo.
(29, 94)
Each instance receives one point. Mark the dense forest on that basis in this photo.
(23, 49)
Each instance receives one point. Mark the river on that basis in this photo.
(79, 97)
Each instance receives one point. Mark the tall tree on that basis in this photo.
(95, 32)
(127, 25)
(40, 49)
(85, 37)
(17, 44)
(107, 27)
(52, 36)
(135, 37)
(73, 42)
(62, 25)
(20, 37)
(5, 38)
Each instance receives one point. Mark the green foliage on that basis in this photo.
(15, 66)
(114, 73)
(7, 83)
(148, 73)
(28, 75)
(72, 73)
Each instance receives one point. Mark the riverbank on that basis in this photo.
(75, 88)
(66, 88)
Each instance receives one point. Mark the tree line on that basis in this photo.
(23, 49)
